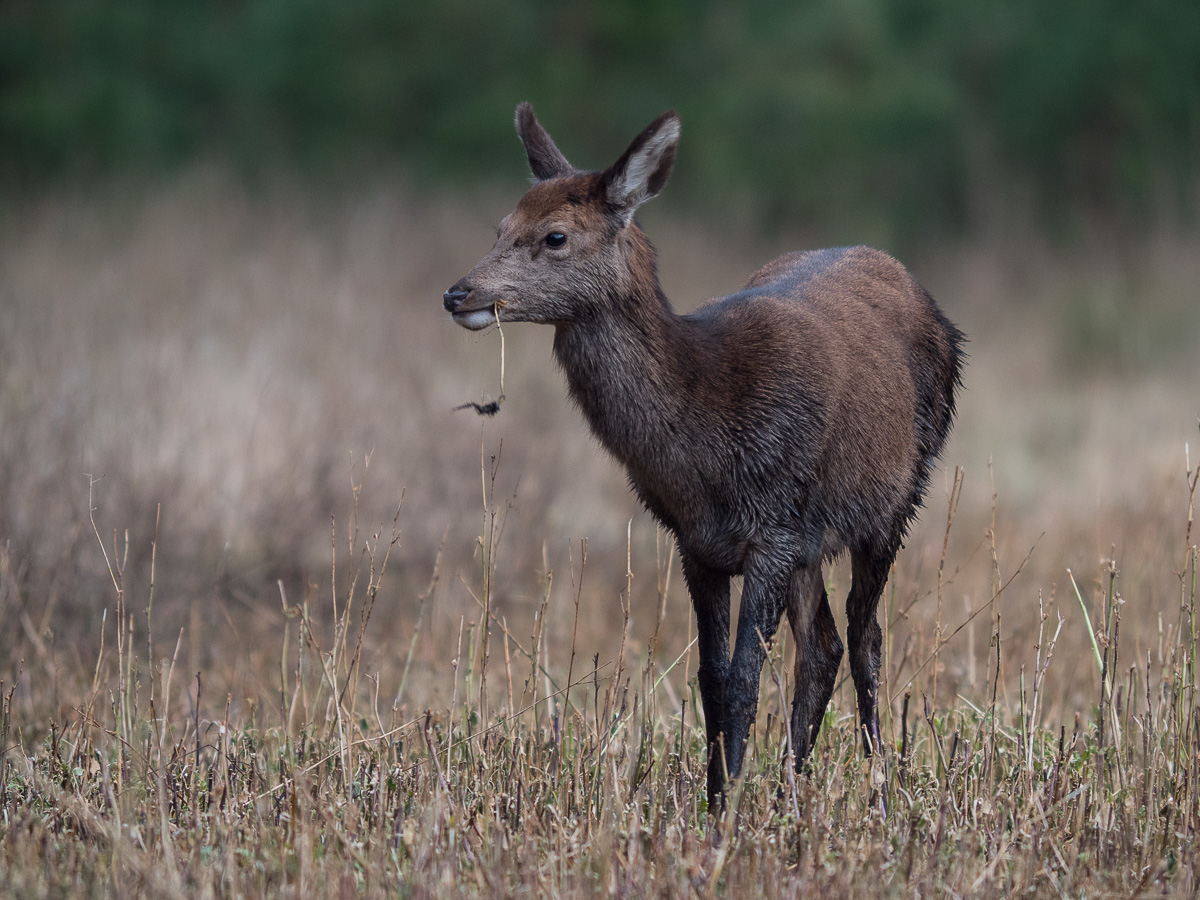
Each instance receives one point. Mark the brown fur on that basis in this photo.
(769, 430)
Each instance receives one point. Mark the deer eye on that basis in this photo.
(555, 239)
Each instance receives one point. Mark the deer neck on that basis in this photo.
(628, 367)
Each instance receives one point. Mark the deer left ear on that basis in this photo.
(545, 159)
(643, 169)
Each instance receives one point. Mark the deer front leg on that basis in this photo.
(764, 592)
(710, 598)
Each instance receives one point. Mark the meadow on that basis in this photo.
(279, 620)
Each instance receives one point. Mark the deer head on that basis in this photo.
(571, 244)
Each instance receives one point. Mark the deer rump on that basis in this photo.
(769, 430)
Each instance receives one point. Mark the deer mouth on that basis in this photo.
(476, 319)
(478, 312)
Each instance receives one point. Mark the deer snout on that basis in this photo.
(471, 309)
(453, 298)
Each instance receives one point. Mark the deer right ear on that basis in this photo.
(545, 159)
(642, 170)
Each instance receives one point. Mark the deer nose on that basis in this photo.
(453, 298)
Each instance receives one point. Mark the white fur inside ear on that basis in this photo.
(632, 188)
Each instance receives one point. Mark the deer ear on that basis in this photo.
(545, 159)
(642, 170)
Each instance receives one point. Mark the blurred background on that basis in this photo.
(225, 229)
(899, 121)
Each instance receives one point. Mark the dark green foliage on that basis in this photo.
(867, 118)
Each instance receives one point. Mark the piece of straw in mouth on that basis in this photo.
(491, 407)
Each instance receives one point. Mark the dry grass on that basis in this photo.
(214, 685)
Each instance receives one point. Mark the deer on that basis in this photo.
(769, 431)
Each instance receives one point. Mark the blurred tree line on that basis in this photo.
(901, 118)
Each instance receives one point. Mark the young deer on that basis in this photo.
(768, 431)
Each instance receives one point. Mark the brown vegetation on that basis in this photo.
(198, 704)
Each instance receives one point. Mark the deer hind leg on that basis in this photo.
(870, 567)
(818, 655)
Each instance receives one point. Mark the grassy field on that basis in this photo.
(278, 621)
